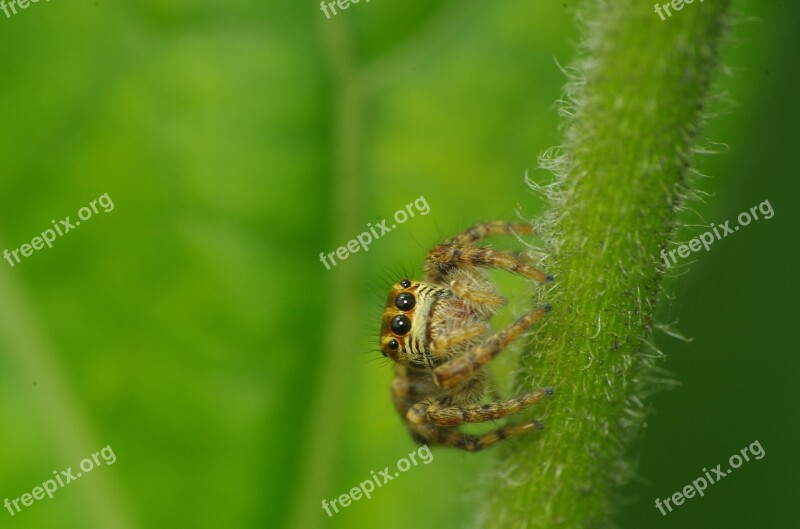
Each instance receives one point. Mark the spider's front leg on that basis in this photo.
(479, 232)
(460, 368)
(458, 251)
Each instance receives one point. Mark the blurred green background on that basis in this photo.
(193, 328)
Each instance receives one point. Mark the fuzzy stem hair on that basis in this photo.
(632, 111)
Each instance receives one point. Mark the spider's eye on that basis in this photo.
(393, 344)
(400, 324)
(405, 283)
(405, 301)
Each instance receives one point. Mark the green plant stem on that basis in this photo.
(634, 105)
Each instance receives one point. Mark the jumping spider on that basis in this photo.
(438, 333)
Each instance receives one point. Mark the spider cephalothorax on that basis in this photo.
(438, 333)
(420, 317)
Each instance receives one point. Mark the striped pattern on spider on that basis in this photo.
(437, 331)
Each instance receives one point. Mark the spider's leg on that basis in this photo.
(441, 344)
(441, 413)
(410, 386)
(456, 370)
(431, 434)
(445, 257)
(482, 298)
(487, 229)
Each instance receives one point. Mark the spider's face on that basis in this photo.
(406, 322)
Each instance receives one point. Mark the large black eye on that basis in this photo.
(405, 301)
(405, 283)
(400, 324)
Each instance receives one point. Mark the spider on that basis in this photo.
(437, 332)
